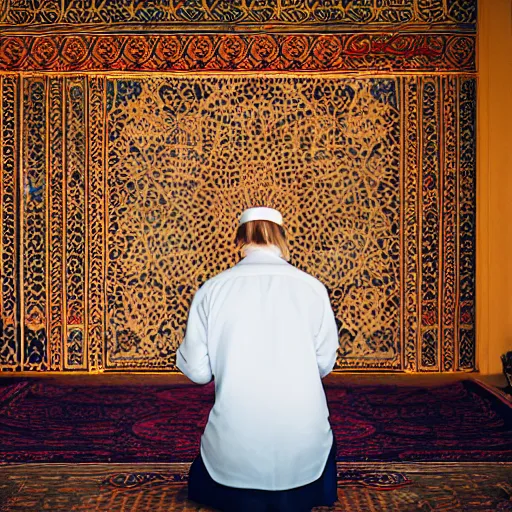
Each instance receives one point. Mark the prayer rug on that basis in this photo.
(162, 487)
(44, 422)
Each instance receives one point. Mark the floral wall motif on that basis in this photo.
(127, 158)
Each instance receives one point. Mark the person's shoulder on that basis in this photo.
(308, 279)
(217, 278)
(289, 270)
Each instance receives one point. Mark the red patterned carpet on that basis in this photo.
(41, 422)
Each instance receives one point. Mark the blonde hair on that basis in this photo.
(262, 232)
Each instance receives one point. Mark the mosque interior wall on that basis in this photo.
(128, 152)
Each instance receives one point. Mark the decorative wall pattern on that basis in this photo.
(240, 12)
(172, 162)
(247, 52)
(187, 155)
(119, 192)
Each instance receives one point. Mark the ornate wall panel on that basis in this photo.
(449, 262)
(10, 346)
(467, 220)
(411, 226)
(97, 231)
(56, 220)
(75, 233)
(249, 52)
(186, 155)
(239, 12)
(429, 221)
(34, 227)
(126, 160)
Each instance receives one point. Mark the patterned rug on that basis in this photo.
(146, 487)
(42, 422)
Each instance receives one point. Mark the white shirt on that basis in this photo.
(266, 331)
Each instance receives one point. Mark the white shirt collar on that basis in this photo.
(257, 252)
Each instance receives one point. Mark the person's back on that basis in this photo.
(266, 332)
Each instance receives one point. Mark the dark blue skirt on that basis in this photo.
(322, 492)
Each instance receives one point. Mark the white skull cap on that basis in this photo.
(261, 213)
